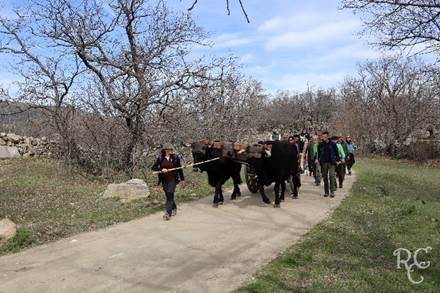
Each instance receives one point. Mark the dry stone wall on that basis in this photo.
(15, 146)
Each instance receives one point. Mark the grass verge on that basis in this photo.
(49, 202)
(393, 204)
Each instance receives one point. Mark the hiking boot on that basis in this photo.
(166, 217)
(349, 172)
(332, 195)
(326, 195)
(174, 212)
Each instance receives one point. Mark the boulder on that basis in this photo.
(128, 191)
(2, 141)
(14, 138)
(8, 229)
(8, 152)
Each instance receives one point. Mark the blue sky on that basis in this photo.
(288, 45)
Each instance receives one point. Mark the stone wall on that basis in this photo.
(15, 146)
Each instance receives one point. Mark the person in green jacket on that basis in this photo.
(340, 165)
(275, 135)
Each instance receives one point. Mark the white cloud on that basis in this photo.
(232, 40)
(301, 20)
(324, 33)
(258, 70)
(5, 82)
(272, 24)
(352, 51)
(300, 82)
(246, 58)
(7, 13)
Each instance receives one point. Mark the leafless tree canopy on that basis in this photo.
(401, 23)
(391, 100)
(243, 9)
(313, 109)
(113, 78)
(111, 83)
(385, 106)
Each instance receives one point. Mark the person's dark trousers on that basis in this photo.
(316, 172)
(298, 177)
(169, 187)
(328, 174)
(311, 166)
(340, 172)
(350, 163)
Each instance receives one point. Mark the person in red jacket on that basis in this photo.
(169, 178)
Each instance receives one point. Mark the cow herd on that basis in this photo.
(266, 163)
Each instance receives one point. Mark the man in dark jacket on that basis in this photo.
(327, 157)
(169, 178)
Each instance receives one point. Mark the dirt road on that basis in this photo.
(202, 249)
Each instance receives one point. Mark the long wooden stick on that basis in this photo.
(186, 166)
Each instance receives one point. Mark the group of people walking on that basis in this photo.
(326, 158)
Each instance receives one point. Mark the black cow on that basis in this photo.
(271, 162)
(219, 171)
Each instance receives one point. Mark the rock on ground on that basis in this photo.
(14, 138)
(7, 152)
(128, 191)
(8, 229)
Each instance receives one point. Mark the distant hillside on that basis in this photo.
(22, 119)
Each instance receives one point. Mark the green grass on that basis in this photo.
(49, 201)
(392, 204)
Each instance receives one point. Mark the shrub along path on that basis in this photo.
(202, 249)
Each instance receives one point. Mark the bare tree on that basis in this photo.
(46, 77)
(134, 56)
(240, 2)
(226, 106)
(293, 111)
(401, 23)
(392, 98)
